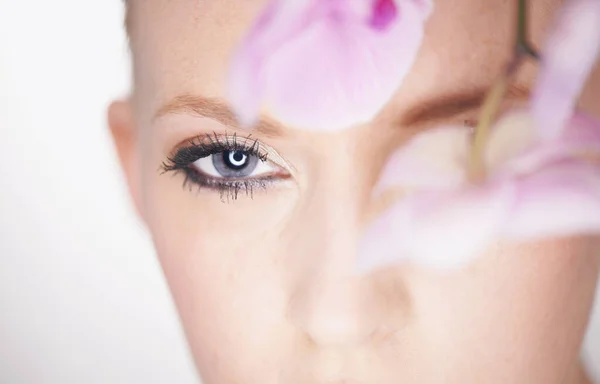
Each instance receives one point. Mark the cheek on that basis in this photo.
(522, 310)
(220, 261)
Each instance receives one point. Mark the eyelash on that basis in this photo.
(206, 145)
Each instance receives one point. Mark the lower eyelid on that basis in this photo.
(204, 179)
(230, 187)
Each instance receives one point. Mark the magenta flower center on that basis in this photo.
(384, 14)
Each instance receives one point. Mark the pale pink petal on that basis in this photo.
(580, 138)
(570, 54)
(452, 231)
(437, 230)
(561, 200)
(384, 14)
(582, 127)
(326, 67)
(513, 134)
(280, 21)
(434, 159)
(383, 243)
(425, 6)
(341, 73)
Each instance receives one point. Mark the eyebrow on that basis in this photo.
(450, 105)
(215, 109)
(435, 110)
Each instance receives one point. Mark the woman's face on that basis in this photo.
(258, 241)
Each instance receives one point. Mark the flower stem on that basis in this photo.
(522, 46)
(488, 112)
(493, 101)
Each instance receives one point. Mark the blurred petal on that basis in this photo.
(437, 230)
(570, 54)
(450, 232)
(561, 200)
(581, 137)
(383, 243)
(326, 66)
(280, 21)
(581, 128)
(434, 159)
(511, 135)
(425, 6)
(384, 13)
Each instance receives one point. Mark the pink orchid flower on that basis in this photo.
(325, 64)
(542, 169)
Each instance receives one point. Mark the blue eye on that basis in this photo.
(235, 164)
(226, 164)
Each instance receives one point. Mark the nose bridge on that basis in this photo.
(329, 301)
(333, 208)
(335, 228)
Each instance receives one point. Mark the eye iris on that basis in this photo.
(235, 159)
(235, 164)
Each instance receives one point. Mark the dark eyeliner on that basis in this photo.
(183, 158)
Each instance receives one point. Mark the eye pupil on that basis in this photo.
(235, 159)
(234, 163)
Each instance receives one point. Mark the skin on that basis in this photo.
(264, 285)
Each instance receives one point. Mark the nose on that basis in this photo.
(332, 311)
(330, 303)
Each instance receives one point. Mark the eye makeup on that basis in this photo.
(227, 164)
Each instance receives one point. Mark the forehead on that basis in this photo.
(184, 47)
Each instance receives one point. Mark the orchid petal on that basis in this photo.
(425, 6)
(434, 159)
(384, 13)
(382, 244)
(561, 200)
(437, 230)
(512, 135)
(450, 232)
(580, 138)
(571, 53)
(324, 66)
(279, 22)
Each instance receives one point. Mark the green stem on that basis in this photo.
(493, 101)
(522, 45)
(490, 108)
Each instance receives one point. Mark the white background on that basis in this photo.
(82, 299)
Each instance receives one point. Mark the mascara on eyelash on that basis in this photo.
(228, 190)
(207, 145)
